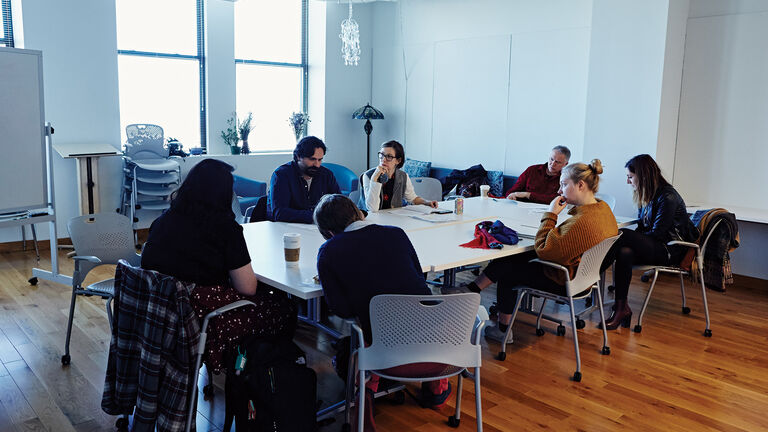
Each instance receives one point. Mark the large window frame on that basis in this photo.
(303, 66)
(6, 37)
(200, 57)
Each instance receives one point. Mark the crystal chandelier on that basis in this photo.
(350, 38)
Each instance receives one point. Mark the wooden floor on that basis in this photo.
(667, 378)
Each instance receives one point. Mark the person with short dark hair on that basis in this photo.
(351, 276)
(296, 186)
(662, 218)
(198, 241)
(387, 185)
(540, 183)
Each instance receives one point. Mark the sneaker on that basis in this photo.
(495, 334)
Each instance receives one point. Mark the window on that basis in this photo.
(160, 67)
(6, 24)
(271, 68)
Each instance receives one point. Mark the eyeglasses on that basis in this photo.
(388, 158)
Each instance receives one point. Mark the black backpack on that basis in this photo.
(274, 392)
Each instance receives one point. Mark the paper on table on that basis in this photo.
(525, 231)
(418, 208)
(435, 217)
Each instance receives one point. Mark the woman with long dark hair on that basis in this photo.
(662, 218)
(198, 241)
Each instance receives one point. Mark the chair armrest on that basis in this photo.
(482, 317)
(360, 340)
(89, 258)
(683, 243)
(553, 265)
(482, 314)
(229, 307)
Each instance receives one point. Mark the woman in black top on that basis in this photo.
(662, 218)
(198, 241)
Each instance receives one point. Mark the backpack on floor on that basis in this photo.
(274, 391)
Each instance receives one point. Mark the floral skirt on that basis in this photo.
(274, 315)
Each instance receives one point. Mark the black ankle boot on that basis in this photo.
(622, 316)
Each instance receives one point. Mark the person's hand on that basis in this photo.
(381, 169)
(432, 204)
(512, 196)
(557, 205)
(519, 195)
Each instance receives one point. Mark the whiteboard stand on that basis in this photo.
(53, 275)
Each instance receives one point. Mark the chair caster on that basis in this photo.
(398, 398)
(588, 302)
(208, 390)
(32, 280)
(577, 376)
(707, 333)
(580, 324)
(606, 350)
(501, 356)
(65, 359)
(539, 332)
(638, 328)
(645, 278)
(561, 330)
(686, 310)
(611, 288)
(122, 424)
(453, 421)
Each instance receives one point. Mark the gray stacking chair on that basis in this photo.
(655, 270)
(587, 277)
(428, 188)
(413, 329)
(99, 239)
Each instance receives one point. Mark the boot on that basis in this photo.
(622, 315)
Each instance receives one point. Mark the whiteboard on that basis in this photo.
(23, 174)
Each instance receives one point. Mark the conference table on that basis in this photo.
(435, 237)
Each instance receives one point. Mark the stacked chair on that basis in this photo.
(149, 175)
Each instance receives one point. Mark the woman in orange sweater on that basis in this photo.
(590, 223)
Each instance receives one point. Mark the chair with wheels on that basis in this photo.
(582, 285)
(428, 188)
(98, 239)
(345, 177)
(248, 191)
(258, 212)
(698, 257)
(410, 329)
(607, 198)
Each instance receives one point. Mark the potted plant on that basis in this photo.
(298, 122)
(244, 128)
(230, 134)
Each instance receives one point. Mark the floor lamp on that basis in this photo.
(368, 113)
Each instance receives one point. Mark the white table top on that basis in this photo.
(75, 150)
(746, 214)
(436, 244)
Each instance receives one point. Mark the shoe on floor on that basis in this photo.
(495, 334)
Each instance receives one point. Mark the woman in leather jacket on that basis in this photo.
(662, 218)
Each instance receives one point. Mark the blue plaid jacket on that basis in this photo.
(151, 356)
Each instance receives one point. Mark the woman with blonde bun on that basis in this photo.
(590, 223)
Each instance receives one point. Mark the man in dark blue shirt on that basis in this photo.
(297, 186)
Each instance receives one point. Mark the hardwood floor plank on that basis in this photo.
(11, 397)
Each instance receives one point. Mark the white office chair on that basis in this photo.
(355, 196)
(428, 188)
(99, 239)
(587, 277)
(607, 198)
(655, 270)
(413, 329)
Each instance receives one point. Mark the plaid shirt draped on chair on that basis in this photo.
(152, 352)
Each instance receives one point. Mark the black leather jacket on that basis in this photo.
(665, 218)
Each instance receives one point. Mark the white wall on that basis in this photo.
(501, 80)
(625, 85)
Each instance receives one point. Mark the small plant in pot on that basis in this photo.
(230, 134)
(244, 127)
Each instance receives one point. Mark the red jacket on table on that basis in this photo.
(534, 179)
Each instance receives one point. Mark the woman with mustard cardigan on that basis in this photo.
(590, 223)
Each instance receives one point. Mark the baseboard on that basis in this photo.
(750, 282)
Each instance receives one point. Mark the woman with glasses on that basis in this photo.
(387, 186)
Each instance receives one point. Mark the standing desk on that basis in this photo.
(87, 156)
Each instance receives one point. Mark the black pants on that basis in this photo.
(634, 248)
(514, 271)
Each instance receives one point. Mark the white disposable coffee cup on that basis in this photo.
(484, 189)
(292, 248)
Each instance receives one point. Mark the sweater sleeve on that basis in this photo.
(372, 191)
(410, 193)
(279, 200)
(333, 289)
(520, 184)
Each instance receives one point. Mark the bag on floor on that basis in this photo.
(274, 390)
